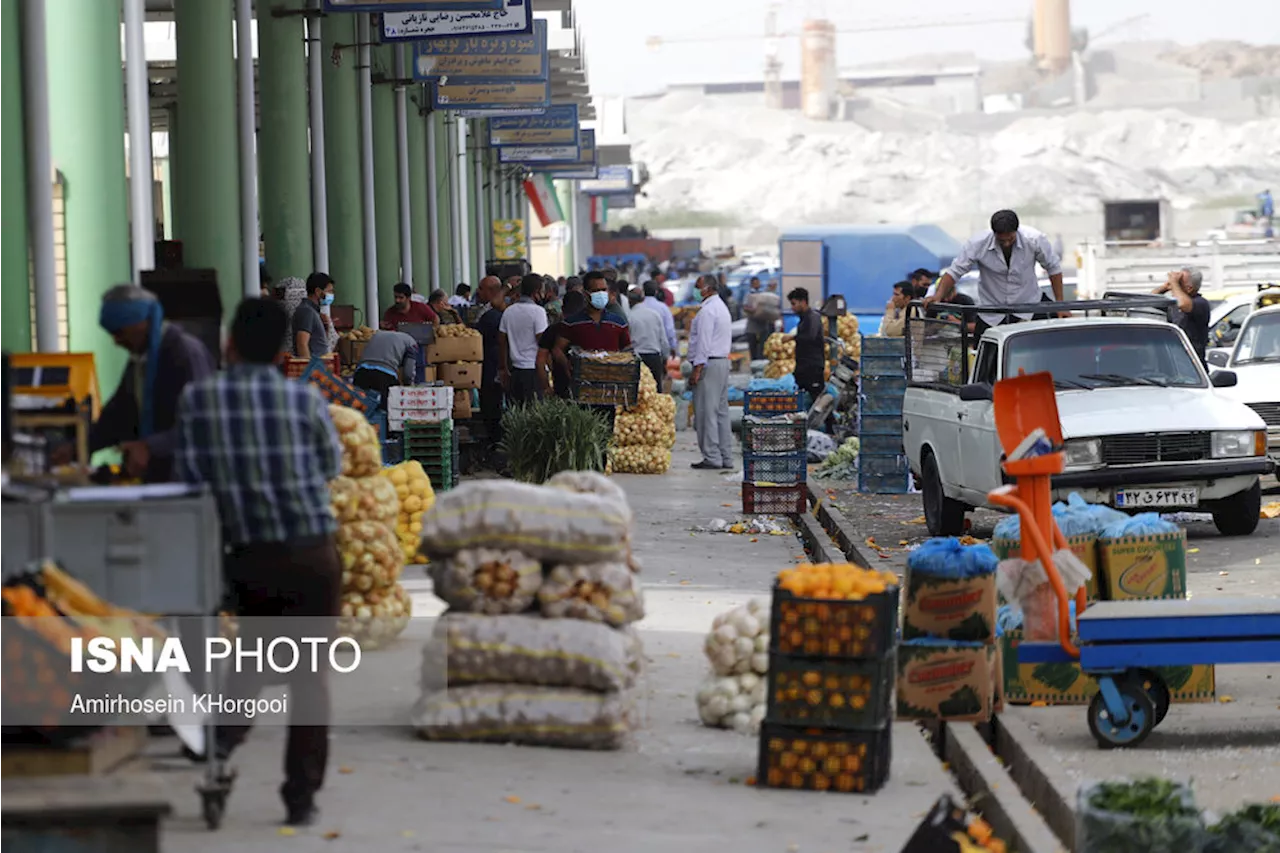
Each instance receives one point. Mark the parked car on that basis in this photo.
(1145, 427)
(1227, 318)
(1255, 361)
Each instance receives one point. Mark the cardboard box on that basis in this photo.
(455, 349)
(1065, 684)
(1084, 547)
(350, 351)
(461, 403)
(408, 398)
(464, 374)
(1137, 567)
(946, 681)
(950, 608)
(429, 373)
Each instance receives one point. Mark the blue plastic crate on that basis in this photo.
(882, 365)
(884, 385)
(392, 452)
(880, 464)
(876, 346)
(884, 484)
(880, 425)
(881, 404)
(783, 470)
(770, 402)
(880, 444)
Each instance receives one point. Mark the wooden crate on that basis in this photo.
(101, 752)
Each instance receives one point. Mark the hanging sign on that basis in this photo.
(618, 201)
(515, 16)
(508, 239)
(490, 94)
(516, 56)
(583, 168)
(556, 126)
(501, 113)
(541, 155)
(613, 179)
(407, 5)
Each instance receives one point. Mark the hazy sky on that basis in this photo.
(616, 31)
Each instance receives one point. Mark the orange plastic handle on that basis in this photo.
(1008, 497)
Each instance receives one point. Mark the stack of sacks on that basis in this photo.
(735, 695)
(644, 434)
(375, 608)
(536, 647)
(413, 489)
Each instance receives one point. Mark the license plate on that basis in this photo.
(1144, 498)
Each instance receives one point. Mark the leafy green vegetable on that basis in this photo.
(546, 437)
(1142, 816)
(1255, 828)
(1059, 676)
(1142, 798)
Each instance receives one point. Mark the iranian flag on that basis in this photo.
(542, 195)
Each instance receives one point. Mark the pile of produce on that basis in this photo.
(847, 331)
(1140, 816)
(548, 436)
(456, 330)
(644, 434)
(843, 581)
(413, 490)
(842, 464)
(360, 334)
(734, 695)
(781, 354)
(375, 608)
(536, 646)
(1254, 827)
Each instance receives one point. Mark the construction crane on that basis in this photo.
(655, 42)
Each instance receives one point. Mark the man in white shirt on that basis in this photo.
(522, 324)
(652, 302)
(1006, 258)
(710, 339)
(461, 298)
(647, 338)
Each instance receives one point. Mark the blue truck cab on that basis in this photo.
(860, 263)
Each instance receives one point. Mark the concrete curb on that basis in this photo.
(996, 792)
(815, 539)
(991, 790)
(1017, 746)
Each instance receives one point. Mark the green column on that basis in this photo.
(444, 236)
(15, 294)
(342, 162)
(284, 166)
(418, 191)
(473, 193)
(386, 185)
(86, 130)
(174, 226)
(206, 195)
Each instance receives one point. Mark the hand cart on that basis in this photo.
(1120, 643)
(151, 549)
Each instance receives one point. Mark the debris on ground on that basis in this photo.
(754, 526)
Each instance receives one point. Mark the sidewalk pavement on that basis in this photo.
(679, 786)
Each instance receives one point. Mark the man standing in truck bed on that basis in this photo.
(1006, 258)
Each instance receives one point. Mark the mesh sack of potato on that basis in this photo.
(366, 499)
(361, 453)
(589, 483)
(376, 617)
(370, 554)
(639, 428)
(413, 488)
(779, 369)
(600, 592)
(640, 460)
(648, 388)
(481, 580)
(526, 649)
(544, 522)
(524, 714)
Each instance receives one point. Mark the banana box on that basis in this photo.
(1136, 567)
(1085, 547)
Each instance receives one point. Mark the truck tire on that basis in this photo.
(943, 516)
(1238, 515)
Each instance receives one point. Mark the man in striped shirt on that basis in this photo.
(267, 449)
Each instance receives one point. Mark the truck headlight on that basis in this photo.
(1235, 444)
(1082, 453)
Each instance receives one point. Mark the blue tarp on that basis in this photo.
(947, 558)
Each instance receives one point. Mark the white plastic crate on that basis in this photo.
(414, 398)
(396, 422)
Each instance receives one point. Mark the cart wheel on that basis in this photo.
(1142, 717)
(1157, 691)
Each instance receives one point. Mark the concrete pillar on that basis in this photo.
(342, 162)
(439, 148)
(206, 196)
(15, 295)
(386, 188)
(284, 168)
(418, 217)
(86, 128)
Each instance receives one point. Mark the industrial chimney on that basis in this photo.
(818, 69)
(1052, 35)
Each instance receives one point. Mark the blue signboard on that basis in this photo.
(502, 113)
(489, 94)
(511, 56)
(516, 16)
(584, 165)
(540, 155)
(407, 5)
(556, 126)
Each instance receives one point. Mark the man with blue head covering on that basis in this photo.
(141, 418)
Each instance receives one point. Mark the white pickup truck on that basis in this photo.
(1145, 428)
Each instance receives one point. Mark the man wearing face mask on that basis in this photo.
(310, 325)
(141, 419)
(597, 327)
